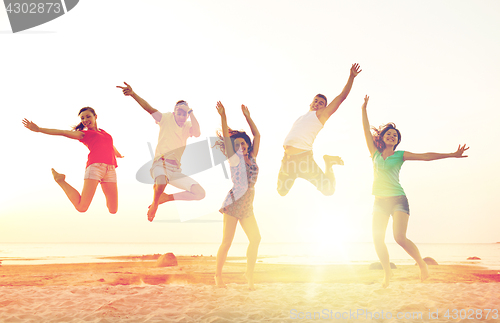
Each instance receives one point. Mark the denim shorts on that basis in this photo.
(104, 173)
(389, 205)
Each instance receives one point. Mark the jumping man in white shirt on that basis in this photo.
(174, 132)
(298, 159)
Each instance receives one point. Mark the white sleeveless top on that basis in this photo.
(304, 131)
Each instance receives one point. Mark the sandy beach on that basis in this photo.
(133, 289)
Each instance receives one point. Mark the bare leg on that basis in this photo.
(286, 176)
(80, 202)
(229, 229)
(164, 198)
(159, 187)
(195, 193)
(251, 229)
(329, 162)
(332, 160)
(379, 227)
(110, 190)
(400, 226)
(324, 181)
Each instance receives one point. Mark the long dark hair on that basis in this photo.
(80, 126)
(378, 135)
(233, 135)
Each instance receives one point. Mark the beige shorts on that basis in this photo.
(173, 174)
(104, 173)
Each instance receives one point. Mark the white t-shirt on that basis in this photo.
(172, 138)
(304, 131)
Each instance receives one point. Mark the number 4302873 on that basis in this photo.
(471, 314)
(26, 7)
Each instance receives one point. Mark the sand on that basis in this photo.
(135, 290)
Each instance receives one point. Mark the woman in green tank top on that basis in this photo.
(390, 197)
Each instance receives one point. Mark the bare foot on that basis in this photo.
(249, 279)
(152, 212)
(424, 272)
(218, 282)
(58, 177)
(333, 160)
(387, 280)
(164, 197)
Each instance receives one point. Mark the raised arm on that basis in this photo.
(127, 90)
(255, 131)
(78, 135)
(366, 128)
(231, 156)
(435, 156)
(195, 126)
(334, 105)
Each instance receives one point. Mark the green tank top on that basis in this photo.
(386, 174)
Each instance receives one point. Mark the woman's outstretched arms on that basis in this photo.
(78, 135)
(435, 156)
(231, 156)
(255, 131)
(366, 127)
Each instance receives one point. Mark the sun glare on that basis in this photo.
(329, 237)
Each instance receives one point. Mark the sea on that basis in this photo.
(272, 253)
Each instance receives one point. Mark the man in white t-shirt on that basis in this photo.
(174, 132)
(298, 160)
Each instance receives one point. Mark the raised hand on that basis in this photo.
(460, 151)
(355, 69)
(366, 101)
(127, 90)
(30, 125)
(220, 109)
(245, 111)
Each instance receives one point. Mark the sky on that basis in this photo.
(430, 67)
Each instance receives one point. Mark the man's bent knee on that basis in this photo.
(328, 192)
(326, 187)
(283, 192)
(284, 186)
(161, 180)
(198, 191)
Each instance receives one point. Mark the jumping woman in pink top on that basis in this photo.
(101, 162)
